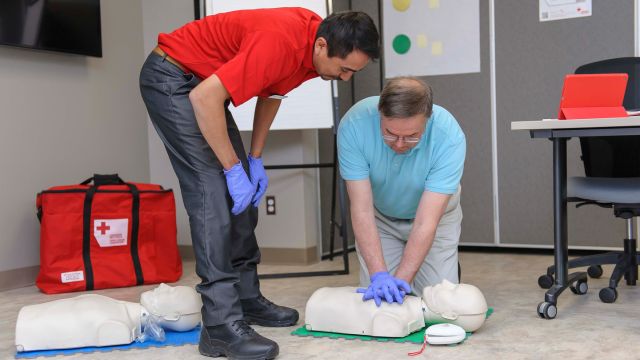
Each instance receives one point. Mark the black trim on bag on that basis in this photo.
(99, 180)
(86, 238)
(102, 191)
(135, 225)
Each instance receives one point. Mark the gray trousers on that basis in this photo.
(441, 261)
(225, 245)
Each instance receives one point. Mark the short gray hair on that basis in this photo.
(404, 97)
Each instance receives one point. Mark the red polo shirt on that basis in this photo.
(254, 52)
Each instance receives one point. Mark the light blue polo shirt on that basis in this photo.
(398, 180)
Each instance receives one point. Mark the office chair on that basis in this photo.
(612, 180)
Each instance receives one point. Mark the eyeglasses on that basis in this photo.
(395, 138)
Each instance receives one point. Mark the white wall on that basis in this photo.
(64, 117)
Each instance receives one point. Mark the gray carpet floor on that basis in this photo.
(585, 328)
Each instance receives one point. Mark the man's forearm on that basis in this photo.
(266, 110)
(368, 240)
(208, 100)
(430, 210)
(418, 246)
(364, 227)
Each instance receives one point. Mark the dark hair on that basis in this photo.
(347, 31)
(404, 97)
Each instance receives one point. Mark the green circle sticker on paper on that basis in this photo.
(401, 44)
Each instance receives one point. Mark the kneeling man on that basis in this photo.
(402, 159)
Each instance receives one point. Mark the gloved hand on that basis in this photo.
(385, 287)
(240, 188)
(258, 178)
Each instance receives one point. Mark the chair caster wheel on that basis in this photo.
(608, 295)
(594, 271)
(545, 281)
(579, 287)
(547, 310)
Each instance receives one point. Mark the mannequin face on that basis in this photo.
(177, 308)
(171, 302)
(452, 300)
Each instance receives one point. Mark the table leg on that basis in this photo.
(561, 244)
(548, 309)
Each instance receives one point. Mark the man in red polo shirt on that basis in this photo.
(187, 83)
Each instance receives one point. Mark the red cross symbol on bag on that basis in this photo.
(103, 228)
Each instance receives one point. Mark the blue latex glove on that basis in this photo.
(385, 287)
(240, 188)
(259, 178)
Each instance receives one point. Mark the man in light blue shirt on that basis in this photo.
(402, 159)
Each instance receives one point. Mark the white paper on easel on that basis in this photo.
(564, 9)
(310, 105)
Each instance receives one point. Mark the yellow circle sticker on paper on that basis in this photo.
(401, 5)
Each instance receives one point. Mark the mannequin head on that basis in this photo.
(460, 304)
(178, 308)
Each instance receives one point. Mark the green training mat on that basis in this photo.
(416, 337)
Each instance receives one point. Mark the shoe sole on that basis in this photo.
(218, 351)
(269, 323)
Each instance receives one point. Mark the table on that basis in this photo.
(559, 131)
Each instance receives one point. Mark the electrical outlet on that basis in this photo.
(271, 204)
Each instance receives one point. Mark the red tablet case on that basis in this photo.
(586, 96)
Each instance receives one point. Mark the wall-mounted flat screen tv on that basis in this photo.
(71, 26)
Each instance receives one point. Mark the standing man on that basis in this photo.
(402, 159)
(187, 83)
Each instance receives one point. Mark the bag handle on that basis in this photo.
(98, 180)
(87, 226)
(106, 179)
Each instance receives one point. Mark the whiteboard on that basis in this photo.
(309, 106)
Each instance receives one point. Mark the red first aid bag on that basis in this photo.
(106, 235)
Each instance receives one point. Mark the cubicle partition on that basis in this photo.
(532, 58)
(506, 187)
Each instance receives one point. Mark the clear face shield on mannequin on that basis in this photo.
(342, 310)
(96, 320)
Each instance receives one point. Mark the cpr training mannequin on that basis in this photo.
(342, 310)
(96, 320)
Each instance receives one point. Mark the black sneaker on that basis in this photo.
(261, 311)
(236, 340)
